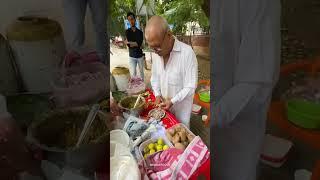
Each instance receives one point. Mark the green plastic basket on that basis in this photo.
(204, 96)
(304, 113)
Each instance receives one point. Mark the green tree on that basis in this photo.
(180, 12)
(118, 11)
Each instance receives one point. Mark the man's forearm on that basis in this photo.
(156, 88)
(233, 102)
(182, 94)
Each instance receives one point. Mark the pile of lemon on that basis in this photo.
(155, 147)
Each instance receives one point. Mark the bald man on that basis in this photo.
(174, 70)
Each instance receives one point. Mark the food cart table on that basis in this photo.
(170, 120)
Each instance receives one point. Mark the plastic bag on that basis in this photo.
(80, 85)
(135, 127)
(136, 86)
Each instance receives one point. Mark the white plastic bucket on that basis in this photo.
(275, 151)
(124, 168)
(117, 149)
(122, 77)
(37, 54)
(120, 137)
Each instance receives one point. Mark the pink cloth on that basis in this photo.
(182, 167)
(163, 160)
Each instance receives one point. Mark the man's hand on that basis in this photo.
(166, 105)
(114, 108)
(159, 100)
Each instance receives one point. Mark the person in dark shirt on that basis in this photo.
(134, 39)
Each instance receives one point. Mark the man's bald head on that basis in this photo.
(156, 26)
(158, 36)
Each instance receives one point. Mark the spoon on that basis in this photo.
(91, 116)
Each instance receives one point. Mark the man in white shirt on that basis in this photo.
(174, 70)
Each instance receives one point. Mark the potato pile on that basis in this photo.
(179, 137)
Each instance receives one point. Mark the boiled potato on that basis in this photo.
(183, 136)
(179, 146)
(176, 139)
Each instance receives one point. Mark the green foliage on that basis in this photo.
(180, 12)
(118, 11)
(177, 12)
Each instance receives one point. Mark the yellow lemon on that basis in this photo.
(159, 148)
(152, 151)
(160, 141)
(151, 146)
(165, 147)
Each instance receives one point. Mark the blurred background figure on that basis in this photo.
(134, 39)
(75, 12)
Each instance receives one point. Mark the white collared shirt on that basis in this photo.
(178, 80)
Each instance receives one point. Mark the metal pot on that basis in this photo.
(87, 157)
(126, 101)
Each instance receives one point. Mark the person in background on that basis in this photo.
(174, 70)
(75, 13)
(134, 39)
(245, 69)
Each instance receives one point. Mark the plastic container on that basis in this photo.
(275, 151)
(204, 117)
(38, 45)
(196, 109)
(205, 96)
(136, 86)
(183, 126)
(153, 140)
(124, 168)
(122, 77)
(304, 114)
(302, 174)
(120, 136)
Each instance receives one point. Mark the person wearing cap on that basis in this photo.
(174, 69)
(134, 39)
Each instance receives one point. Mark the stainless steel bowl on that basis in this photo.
(87, 157)
(125, 102)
